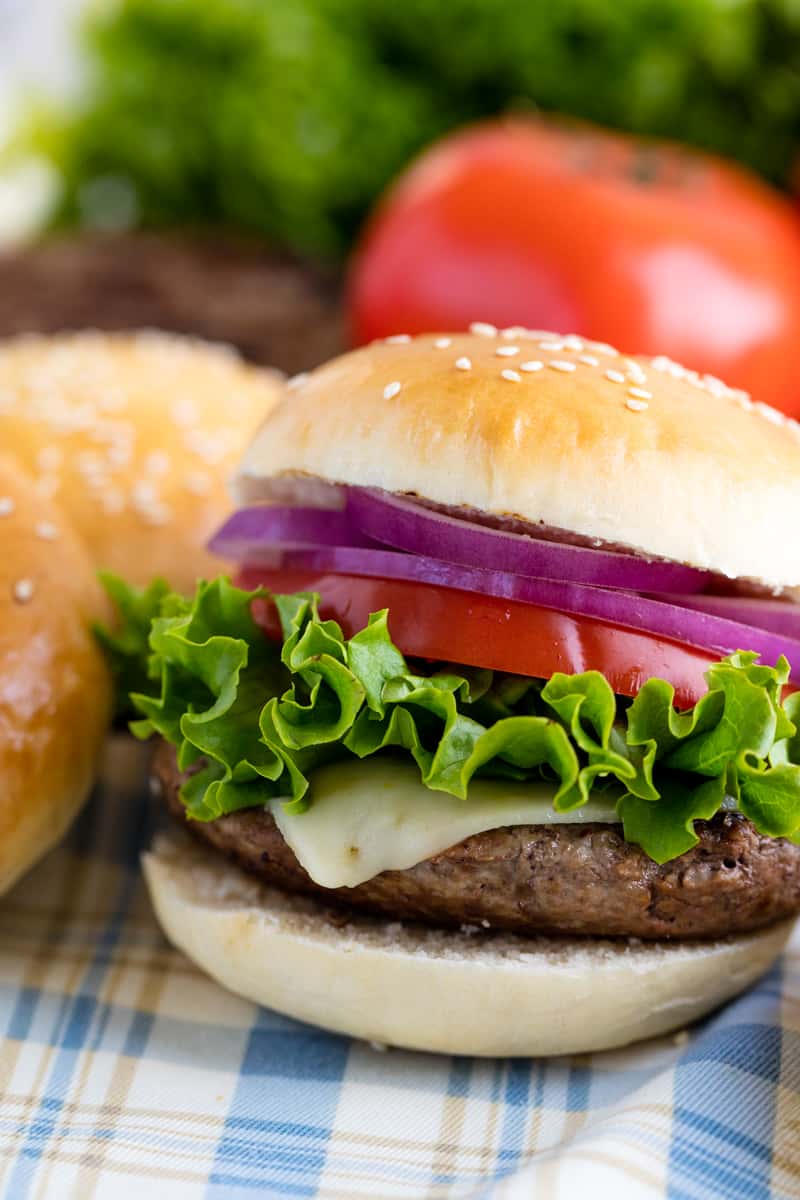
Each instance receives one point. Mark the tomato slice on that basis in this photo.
(426, 621)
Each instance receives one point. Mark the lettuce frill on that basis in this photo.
(259, 716)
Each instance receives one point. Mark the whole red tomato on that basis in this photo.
(648, 245)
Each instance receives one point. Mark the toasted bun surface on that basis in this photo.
(55, 693)
(135, 436)
(569, 433)
(425, 989)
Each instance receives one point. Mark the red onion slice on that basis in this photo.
(779, 616)
(706, 631)
(404, 525)
(253, 534)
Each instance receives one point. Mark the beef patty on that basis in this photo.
(576, 879)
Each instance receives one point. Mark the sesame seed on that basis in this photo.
(47, 531)
(589, 360)
(48, 485)
(49, 458)
(295, 382)
(615, 376)
(483, 329)
(769, 413)
(89, 463)
(157, 462)
(513, 331)
(636, 405)
(143, 492)
(205, 445)
(714, 385)
(112, 500)
(464, 363)
(118, 456)
(507, 351)
(511, 376)
(7, 506)
(573, 342)
(443, 343)
(23, 591)
(635, 371)
(557, 364)
(397, 339)
(604, 348)
(532, 364)
(551, 346)
(198, 483)
(391, 389)
(640, 393)
(155, 515)
(183, 411)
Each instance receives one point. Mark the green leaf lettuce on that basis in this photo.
(255, 717)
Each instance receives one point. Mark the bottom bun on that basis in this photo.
(453, 992)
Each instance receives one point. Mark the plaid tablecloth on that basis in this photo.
(124, 1073)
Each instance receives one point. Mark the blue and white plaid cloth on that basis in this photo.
(125, 1073)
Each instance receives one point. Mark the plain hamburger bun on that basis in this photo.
(55, 692)
(444, 991)
(633, 452)
(135, 436)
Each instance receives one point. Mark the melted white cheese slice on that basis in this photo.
(373, 816)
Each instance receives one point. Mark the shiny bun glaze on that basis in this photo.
(134, 435)
(550, 429)
(55, 692)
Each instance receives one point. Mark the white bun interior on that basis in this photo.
(445, 991)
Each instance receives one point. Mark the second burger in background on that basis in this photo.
(485, 721)
(134, 436)
(55, 688)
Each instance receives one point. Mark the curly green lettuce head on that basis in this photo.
(287, 118)
(260, 716)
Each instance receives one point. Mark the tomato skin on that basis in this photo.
(430, 622)
(650, 246)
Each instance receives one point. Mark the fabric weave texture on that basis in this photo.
(125, 1073)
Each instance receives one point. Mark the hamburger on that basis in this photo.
(116, 450)
(55, 688)
(133, 435)
(492, 745)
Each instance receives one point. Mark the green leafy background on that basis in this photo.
(288, 117)
(257, 717)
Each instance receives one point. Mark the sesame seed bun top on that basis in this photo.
(134, 436)
(55, 691)
(552, 429)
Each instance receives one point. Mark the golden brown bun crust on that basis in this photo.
(631, 451)
(135, 436)
(433, 989)
(55, 693)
